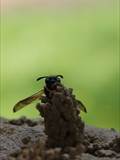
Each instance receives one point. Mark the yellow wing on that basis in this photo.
(21, 104)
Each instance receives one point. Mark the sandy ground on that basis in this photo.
(15, 135)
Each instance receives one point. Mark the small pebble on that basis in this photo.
(65, 156)
(26, 140)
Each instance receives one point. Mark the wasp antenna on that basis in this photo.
(60, 76)
(39, 78)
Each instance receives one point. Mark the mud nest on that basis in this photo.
(63, 124)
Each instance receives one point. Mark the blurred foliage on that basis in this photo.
(80, 44)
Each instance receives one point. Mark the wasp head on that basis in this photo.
(51, 81)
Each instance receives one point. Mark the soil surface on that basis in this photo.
(24, 139)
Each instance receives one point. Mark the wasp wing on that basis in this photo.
(82, 107)
(21, 104)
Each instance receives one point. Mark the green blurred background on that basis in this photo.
(80, 42)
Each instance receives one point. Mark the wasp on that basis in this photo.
(51, 84)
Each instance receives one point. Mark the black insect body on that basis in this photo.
(51, 83)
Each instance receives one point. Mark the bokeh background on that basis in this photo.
(79, 39)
